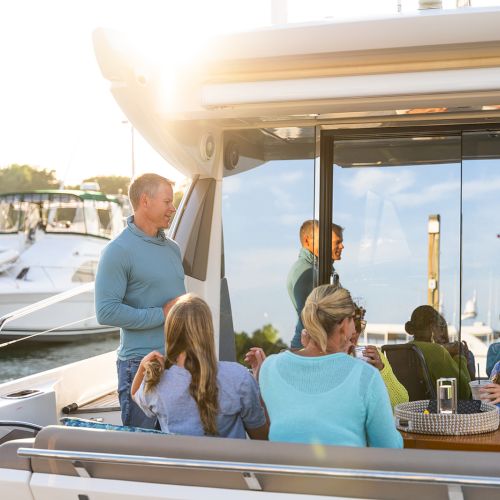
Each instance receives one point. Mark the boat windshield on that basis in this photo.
(60, 213)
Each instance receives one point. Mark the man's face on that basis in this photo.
(159, 208)
(337, 246)
(312, 244)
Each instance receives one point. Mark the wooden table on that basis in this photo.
(476, 442)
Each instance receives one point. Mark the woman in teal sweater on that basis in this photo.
(321, 395)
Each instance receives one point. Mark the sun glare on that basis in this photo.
(57, 111)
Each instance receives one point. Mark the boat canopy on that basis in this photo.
(75, 212)
(57, 194)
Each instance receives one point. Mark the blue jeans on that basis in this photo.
(132, 415)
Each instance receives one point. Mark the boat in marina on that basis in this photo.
(51, 241)
(376, 124)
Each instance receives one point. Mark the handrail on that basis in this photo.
(250, 467)
(41, 304)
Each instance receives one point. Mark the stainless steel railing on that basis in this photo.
(249, 468)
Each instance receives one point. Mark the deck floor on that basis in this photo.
(108, 402)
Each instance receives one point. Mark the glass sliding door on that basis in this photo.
(481, 244)
(267, 196)
(417, 211)
(398, 198)
(388, 195)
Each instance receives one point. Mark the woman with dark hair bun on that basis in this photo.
(424, 322)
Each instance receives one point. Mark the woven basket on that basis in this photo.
(410, 417)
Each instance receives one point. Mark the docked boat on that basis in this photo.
(376, 124)
(50, 242)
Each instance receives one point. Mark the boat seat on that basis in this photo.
(9, 458)
(409, 365)
(234, 450)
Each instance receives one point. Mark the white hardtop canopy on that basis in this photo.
(305, 75)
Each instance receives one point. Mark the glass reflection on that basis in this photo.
(273, 194)
(398, 199)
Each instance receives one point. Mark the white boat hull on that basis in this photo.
(63, 314)
(59, 336)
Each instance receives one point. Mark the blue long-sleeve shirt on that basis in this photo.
(137, 274)
(492, 357)
(333, 399)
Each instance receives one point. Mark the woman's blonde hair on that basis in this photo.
(325, 307)
(189, 329)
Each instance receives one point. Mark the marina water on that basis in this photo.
(25, 358)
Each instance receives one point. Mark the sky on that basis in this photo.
(56, 111)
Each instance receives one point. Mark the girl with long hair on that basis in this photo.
(320, 394)
(188, 390)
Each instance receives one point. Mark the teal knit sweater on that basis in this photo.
(333, 399)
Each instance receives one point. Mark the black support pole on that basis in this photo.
(325, 208)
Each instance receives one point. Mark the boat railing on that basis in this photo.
(249, 469)
(42, 304)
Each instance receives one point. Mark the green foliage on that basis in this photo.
(18, 178)
(266, 337)
(111, 184)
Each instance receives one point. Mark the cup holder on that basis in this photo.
(25, 393)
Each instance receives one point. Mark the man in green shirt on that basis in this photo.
(302, 276)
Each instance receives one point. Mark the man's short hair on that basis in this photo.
(145, 184)
(308, 226)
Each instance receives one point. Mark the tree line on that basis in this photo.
(266, 337)
(19, 178)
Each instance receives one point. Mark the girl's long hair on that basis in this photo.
(325, 307)
(189, 329)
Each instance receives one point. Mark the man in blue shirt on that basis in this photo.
(139, 277)
(302, 276)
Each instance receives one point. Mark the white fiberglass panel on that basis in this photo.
(55, 487)
(14, 484)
